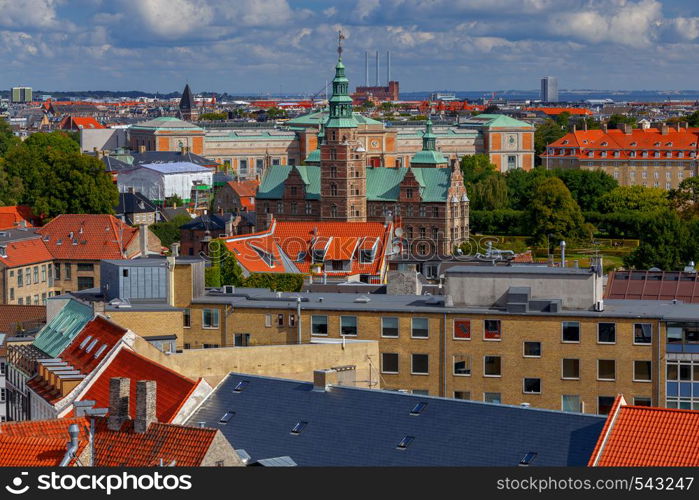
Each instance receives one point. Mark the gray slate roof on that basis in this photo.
(349, 426)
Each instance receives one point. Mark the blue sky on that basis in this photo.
(243, 46)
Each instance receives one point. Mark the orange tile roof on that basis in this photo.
(12, 314)
(173, 389)
(25, 252)
(96, 237)
(100, 332)
(11, 217)
(639, 436)
(245, 188)
(553, 111)
(86, 122)
(43, 443)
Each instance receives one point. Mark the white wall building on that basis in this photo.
(158, 181)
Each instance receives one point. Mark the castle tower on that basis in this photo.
(342, 157)
(429, 156)
(188, 106)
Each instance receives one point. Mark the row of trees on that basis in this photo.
(576, 205)
(48, 172)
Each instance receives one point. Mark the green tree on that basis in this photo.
(489, 194)
(563, 120)
(174, 201)
(7, 138)
(553, 211)
(587, 186)
(662, 243)
(640, 198)
(520, 185)
(617, 119)
(213, 116)
(169, 232)
(685, 199)
(274, 113)
(475, 168)
(547, 132)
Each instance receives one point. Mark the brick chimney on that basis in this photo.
(664, 130)
(145, 405)
(143, 239)
(627, 128)
(323, 379)
(119, 390)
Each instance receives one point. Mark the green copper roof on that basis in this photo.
(313, 157)
(495, 121)
(272, 184)
(63, 328)
(383, 184)
(320, 117)
(166, 123)
(341, 115)
(428, 158)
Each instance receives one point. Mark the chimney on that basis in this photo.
(182, 150)
(664, 130)
(584, 125)
(684, 125)
(229, 226)
(323, 379)
(119, 390)
(627, 128)
(604, 128)
(145, 405)
(143, 239)
(377, 68)
(130, 189)
(575, 128)
(142, 148)
(175, 249)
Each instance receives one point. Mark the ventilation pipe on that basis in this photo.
(563, 254)
(72, 448)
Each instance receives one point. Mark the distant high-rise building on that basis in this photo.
(549, 89)
(21, 94)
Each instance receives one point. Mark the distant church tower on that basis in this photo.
(342, 157)
(188, 106)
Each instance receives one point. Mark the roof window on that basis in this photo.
(84, 342)
(528, 458)
(226, 417)
(240, 386)
(405, 442)
(418, 408)
(300, 426)
(100, 351)
(92, 345)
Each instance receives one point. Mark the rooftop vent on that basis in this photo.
(362, 299)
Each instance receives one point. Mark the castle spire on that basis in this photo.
(429, 140)
(341, 115)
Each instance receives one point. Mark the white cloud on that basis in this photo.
(28, 13)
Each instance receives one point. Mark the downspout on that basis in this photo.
(660, 369)
(444, 368)
(73, 431)
(298, 317)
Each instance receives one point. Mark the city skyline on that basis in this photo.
(280, 46)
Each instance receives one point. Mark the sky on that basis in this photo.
(289, 46)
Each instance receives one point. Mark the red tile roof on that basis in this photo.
(43, 443)
(340, 239)
(11, 217)
(25, 252)
(245, 188)
(553, 111)
(185, 446)
(98, 337)
(10, 315)
(639, 436)
(173, 389)
(96, 236)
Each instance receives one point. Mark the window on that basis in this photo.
(187, 318)
(571, 331)
(43, 273)
(280, 320)
(319, 325)
(36, 274)
(606, 333)
(492, 329)
(532, 349)
(420, 328)
(462, 395)
(333, 189)
(389, 362)
(531, 386)
(85, 282)
(571, 369)
(405, 442)
(268, 320)
(492, 397)
(12, 294)
(243, 167)
(36, 299)
(418, 409)
(462, 364)
(226, 417)
(389, 327)
(462, 329)
(20, 279)
(420, 364)
(209, 318)
(642, 371)
(571, 403)
(292, 319)
(69, 269)
(20, 301)
(300, 426)
(604, 404)
(641, 401)
(242, 339)
(606, 369)
(86, 267)
(348, 325)
(308, 208)
(492, 366)
(642, 333)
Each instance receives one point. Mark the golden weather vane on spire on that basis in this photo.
(340, 37)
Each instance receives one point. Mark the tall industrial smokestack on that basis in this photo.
(377, 68)
(388, 66)
(366, 68)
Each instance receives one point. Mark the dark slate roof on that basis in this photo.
(348, 426)
(134, 203)
(170, 157)
(170, 213)
(208, 222)
(115, 165)
(187, 101)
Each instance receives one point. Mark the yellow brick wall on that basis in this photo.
(149, 323)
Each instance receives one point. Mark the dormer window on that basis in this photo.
(616, 154)
(565, 142)
(656, 154)
(656, 144)
(680, 154)
(603, 154)
(590, 154)
(605, 143)
(668, 154)
(634, 144)
(668, 144)
(645, 154)
(632, 154)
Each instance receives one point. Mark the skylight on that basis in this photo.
(299, 427)
(240, 386)
(92, 345)
(84, 342)
(226, 417)
(100, 351)
(405, 442)
(418, 409)
(528, 458)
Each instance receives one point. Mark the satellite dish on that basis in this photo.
(399, 232)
